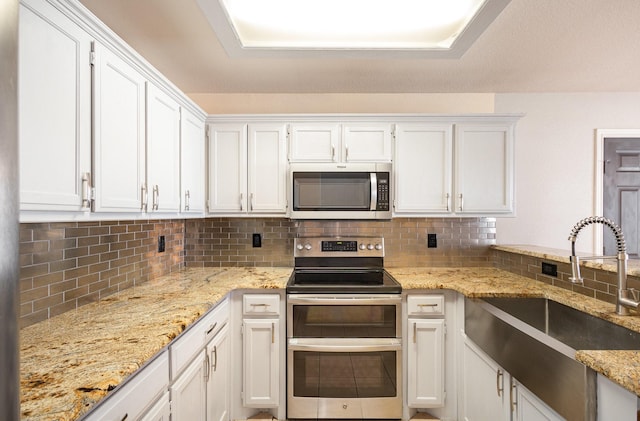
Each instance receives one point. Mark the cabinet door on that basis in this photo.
(219, 383)
(484, 168)
(228, 168)
(160, 411)
(163, 151)
(188, 392)
(119, 134)
(528, 407)
(425, 363)
(260, 363)
(484, 396)
(366, 142)
(422, 165)
(314, 143)
(54, 109)
(267, 165)
(192, 169)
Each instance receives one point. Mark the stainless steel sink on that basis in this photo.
(571, 327)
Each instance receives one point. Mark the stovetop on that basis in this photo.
(340, 265)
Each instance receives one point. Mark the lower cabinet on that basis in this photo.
(218, 383)
(188, 392)
(260, 362)
(490, 393)
(160, 411)
(137, 394)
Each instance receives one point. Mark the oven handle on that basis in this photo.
(346, 347)
(351, 300)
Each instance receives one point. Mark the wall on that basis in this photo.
(227, 242)
(555, 161)
(344, 103)
(66, 265)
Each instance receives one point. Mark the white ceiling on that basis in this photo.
(532, 46)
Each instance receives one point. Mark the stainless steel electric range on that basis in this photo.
(344, 345)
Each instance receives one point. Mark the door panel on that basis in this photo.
(621, 201)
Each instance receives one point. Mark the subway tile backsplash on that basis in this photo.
(66, 265)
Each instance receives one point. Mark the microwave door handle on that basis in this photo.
(374, 191)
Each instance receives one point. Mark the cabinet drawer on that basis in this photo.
(186, 346)
(425, 305)
(260, 304)
(134, 396)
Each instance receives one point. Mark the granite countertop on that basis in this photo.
(70, 362)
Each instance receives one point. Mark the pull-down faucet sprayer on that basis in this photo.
(627, 297)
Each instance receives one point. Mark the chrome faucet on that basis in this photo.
(627, 297)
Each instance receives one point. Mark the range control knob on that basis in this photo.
(307, 246)
(299, 246)
(378, 246)
(370, 246)
(363, 246)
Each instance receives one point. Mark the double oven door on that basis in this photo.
(344, 356)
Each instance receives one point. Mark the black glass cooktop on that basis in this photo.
(342, 280)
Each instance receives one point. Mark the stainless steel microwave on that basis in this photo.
(340, 191)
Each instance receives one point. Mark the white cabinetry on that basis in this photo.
(160, 411)
(261, 350)
(425, 351)
(54, 109)
(484, 168)
(188, 392)
(423, 168)
(132, 398)
(247, 169)
(454, 168)
(200, 369)
(192, 162)
(163, 151)
(490, 393)
(119, 134)
(335, 142)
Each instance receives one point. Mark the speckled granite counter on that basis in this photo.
(69, 362)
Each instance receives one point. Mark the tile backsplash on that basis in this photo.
(66, 265)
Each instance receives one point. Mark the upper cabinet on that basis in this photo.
(119, 134)
(484, 176)
(461, 169)
(54, 110)
(192, 162)
(163, 151)
(335, 142)
(100, 129)
(247, 169)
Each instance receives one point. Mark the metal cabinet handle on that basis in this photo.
(333, 153)
(251, 201)
(428, 305)
(260, 305)
(143, 197)
(125, 417)
(215, 358)
(241, 199)
(461, 202)
(86, 190)
(155, 197)
(346, 153)
(448, 197)
(415, 331)
(213, 326)
(513, 396)
(207, 369)
(499, 381)
(273, 333)
(187, 196)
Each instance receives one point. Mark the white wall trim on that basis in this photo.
(601, 135)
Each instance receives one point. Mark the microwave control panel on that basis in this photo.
(383, 191)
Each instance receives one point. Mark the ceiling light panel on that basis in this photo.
(441, 28)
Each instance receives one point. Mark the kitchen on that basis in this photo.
(575, 116)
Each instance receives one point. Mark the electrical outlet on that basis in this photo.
(432, 241)
(161, 244)
(549, 269)
(257, 240)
